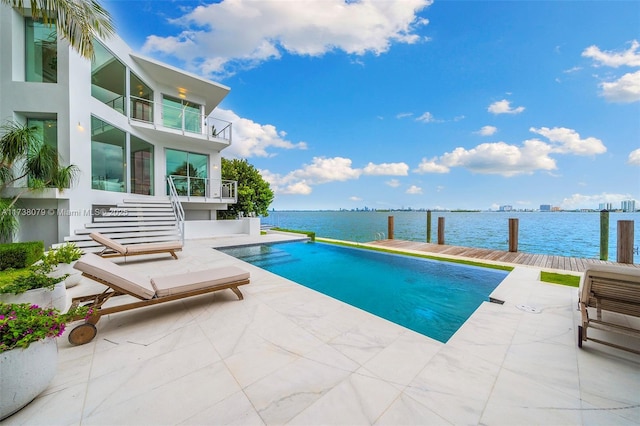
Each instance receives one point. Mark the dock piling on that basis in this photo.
(604, 235)
(390, 227)
(428, 226)
(513, 235)
(625, 241)
(441, 230)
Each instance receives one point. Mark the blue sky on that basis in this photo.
(413, 103)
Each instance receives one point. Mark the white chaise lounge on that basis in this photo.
(121, 281)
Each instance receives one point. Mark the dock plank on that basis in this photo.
(544, 261)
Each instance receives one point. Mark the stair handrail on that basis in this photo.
(178, 211)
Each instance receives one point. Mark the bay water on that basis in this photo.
(575, 234)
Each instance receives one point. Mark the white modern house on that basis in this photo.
(139, 130)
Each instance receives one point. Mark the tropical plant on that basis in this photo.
(77, 21)
(22, 323)
(254, 193)
(65, 253)
(23, 155)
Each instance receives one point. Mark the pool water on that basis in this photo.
(431, 297)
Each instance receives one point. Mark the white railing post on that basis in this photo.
(177, 206)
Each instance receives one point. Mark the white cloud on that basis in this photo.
(394, 183)
(404, 115)
(626, 89)
(354, 198)
(431, 166)
(251, 139)
(324, 170)
(567, 141)
(502, 158)
(510, 160)
(427, 117)
(629, 57)
(581, 201)
(211, 43)
(504, 107)
(487, 130)
(634, 157)
(414, 190)
(386, 169)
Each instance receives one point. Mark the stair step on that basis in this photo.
(132, 218)
(145, 201)
(87, 231)
(109, 224)
(144, 206)
(115, 235)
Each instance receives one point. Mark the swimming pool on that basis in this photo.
(431, 297)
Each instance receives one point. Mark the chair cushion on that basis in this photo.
(112, 273)
(153, 247)
(218, 277)
(108, 242)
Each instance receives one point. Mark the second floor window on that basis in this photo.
(41, 51)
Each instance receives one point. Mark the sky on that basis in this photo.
(416, 103)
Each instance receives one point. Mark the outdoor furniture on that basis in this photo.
(114, 248)
(120, 281)
(609, 290)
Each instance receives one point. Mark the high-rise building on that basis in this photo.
(628, 205)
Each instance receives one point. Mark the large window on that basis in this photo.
(141, 99)
(189, 171)
(181, 114)
(47, 130)
(108, 168)
(141, 164)
(108, 78)
(41, 51)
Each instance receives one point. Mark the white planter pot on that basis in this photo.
(25, 373)
(45, 298)
(74, 277)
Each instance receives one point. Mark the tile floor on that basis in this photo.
(289, 355)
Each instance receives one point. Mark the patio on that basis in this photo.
(289, 355)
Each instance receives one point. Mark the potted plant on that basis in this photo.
(62, 259)
(37, 287)
(28, 351)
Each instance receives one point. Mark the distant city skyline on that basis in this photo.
(450, 105)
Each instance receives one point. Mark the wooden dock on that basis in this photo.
(542, 261)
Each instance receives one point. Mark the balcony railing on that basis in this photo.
(205, 188)
(179, 118)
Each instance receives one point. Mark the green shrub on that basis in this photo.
(20, 255)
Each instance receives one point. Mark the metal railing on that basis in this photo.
(180, 118)
(177, 206)
(205, 188)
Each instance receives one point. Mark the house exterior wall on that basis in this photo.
(70, 101)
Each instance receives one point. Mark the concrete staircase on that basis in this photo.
(133, 221)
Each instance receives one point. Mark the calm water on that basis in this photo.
(432, 298)
(558, 233)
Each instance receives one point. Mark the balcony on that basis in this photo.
(205, 190)
(164, 122)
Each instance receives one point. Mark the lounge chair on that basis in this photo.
(113, 248)
(121, 281)
(609, 289)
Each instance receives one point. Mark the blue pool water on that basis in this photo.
(430, 297)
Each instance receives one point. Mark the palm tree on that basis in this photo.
(76, 20)
(24, 156)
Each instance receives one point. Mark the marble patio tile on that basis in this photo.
(407, 411)
(404, 358)
(356, 400)
(621, 416)
(257, 362)
(327, 355)
(334, 322)
(169, 403)
(520, 399)
(233, 410)
(61, 407)
(548, 363)
(367, 338)
(70, 373)
(455, 384)
(285, 393)
(132, 378)
(488, 332)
